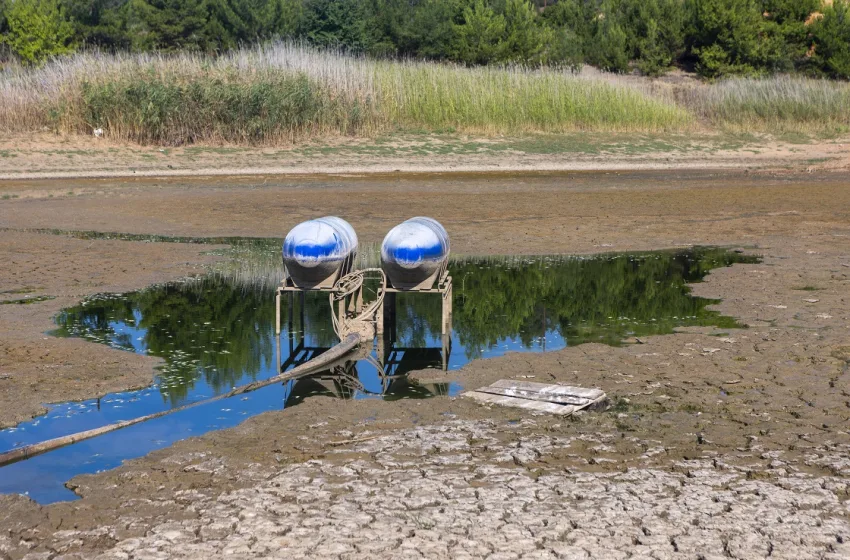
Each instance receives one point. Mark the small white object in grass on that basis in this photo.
(98, 132)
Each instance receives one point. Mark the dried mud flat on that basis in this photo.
(50, 156)
(731, 444)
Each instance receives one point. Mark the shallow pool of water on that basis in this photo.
(218, 332)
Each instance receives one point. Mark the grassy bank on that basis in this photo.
(777, 105)
(283, 93)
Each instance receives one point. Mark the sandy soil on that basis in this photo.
(74, 157)
(727, 444)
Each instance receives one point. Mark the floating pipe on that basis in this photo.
(414, 253)
(319, 363)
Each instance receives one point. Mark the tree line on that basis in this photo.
(712, 37)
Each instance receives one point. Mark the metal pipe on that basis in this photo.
(319, 363)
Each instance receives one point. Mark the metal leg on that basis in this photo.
(341, 311)
(381, 352)
(379, 322)
(303, 326)
(389, 316)
(277, 312)
(451, 306)
(447, 310)
(277, 351)
(290, 326)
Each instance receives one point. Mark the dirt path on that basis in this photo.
(730, 443)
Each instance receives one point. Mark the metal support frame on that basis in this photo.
(386, 319)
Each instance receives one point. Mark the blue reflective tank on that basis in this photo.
(414, 253)
(317, 252)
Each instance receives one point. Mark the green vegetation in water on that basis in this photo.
(24, 290)
(600, 299)
(262, 242)
(26, 300)
(221, 330)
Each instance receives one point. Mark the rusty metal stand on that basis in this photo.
(298, 352)
(386, 319)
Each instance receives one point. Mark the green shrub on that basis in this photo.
(655, 33)
(37, 30)
(168, 111)
(832, 40)
(786, 19)
(479, 39)
(608, 45)
(732, 37)
(526, 40)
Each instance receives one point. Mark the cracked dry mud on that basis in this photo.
(457, 490)
(717, 444)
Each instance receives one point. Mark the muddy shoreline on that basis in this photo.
(46, 157)
(766, 406)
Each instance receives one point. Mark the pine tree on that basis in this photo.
(168, 24)
(525, 39)
(608, 47)
(431, 31)
(37, 30)
(732, 37)
(832, 40)
(102, 23)
(480, 38)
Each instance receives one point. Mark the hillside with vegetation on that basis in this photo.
(713, 37)
(175, 72)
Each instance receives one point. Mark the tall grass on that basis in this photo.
(779, 104)
(497, 100)
(285, 92)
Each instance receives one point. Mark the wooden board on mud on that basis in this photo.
(539, 397)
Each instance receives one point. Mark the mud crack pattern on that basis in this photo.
(454, 491)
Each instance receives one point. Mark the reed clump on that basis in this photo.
(286, 92)
(776, 105)
(499, 100)
(282, 93)
(211, 108)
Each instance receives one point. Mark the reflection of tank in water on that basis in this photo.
(318, 252)
(414, 253)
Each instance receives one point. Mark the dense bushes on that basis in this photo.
(283, 92)
(831, 48)
(163, 110)
(36, 29)
(715, 37)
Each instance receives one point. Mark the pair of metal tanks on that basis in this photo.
(318, 252)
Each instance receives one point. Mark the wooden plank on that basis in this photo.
(548, 389)
(537, 406)
(535, 396)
